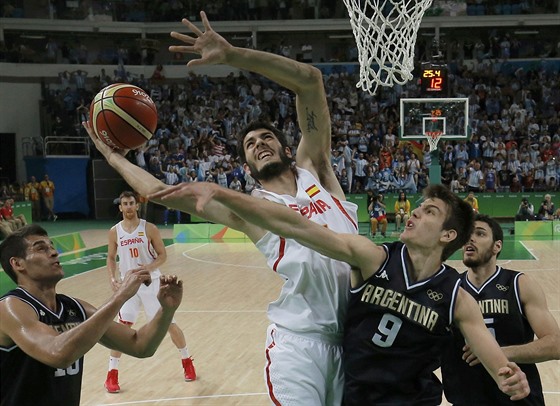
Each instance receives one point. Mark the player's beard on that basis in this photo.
(480, 260)
(130, 215)
(271, 170)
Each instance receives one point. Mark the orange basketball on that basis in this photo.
(123, 116)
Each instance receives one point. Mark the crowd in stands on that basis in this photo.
(231, 10)
(514, 120)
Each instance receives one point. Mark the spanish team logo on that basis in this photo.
(140, 233)
(312, 190)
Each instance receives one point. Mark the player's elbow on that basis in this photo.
(61, 361)
(313, 78)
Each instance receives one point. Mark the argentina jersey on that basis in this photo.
(37, 381)
(500, 304)
(394, 333)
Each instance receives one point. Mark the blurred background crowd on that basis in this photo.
(513, 144)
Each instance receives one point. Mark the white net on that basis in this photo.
(433, 139)
(385, 33)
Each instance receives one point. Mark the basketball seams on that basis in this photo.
(123, 116)
(109, 128)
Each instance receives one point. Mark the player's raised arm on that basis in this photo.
(20, 325)
(510, 379)
(303, 79)
(147, 185)
(286, 222)
(145, 341)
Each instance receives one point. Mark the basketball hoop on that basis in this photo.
(385, 33)
(433, 139)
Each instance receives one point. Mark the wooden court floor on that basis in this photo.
(227, 288)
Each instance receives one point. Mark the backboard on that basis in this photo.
(445, 117)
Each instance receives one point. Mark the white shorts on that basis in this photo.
(145, 297)
(302, 370)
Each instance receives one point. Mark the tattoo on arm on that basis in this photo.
(311, 116)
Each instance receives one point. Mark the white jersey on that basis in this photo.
(135, 249)
(315, 294)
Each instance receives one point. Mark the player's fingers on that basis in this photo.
(205, 21)
(196, 62)
(89, 130)
(186, 38)
(183, 49)
(474, 362)
(505, 371)
(192, 27)
(164, 192)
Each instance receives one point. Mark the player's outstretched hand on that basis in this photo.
(132, 281)
(210, 45)
(200, 192)
(514, 382)
(170, 292)
(100, 145)
(470, 357)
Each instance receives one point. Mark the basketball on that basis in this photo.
(123, 116)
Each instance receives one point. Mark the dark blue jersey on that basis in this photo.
(501, 308)
(394, 334)
(26, 381)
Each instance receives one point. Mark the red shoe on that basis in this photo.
(188, 368)
(112, 381)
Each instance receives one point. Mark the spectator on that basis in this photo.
(344, 181)
(546, 211)
(236, 185)
(6, 228)
(526, 211)
(47, 191)
(377, 215)
(250, 183)
(32, 194)
(402, 211)
(7, 213)
(475, 177)
(472, 201)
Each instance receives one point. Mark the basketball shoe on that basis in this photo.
(188, 369)
(112, 381)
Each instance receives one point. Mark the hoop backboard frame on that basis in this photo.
(420, 117)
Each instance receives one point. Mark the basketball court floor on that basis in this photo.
(227, 287)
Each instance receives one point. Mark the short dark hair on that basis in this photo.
(15, 245)
(497, 232)
(128, 193)
(460, 217)
(258, 125)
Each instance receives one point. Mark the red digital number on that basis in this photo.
(436, 83)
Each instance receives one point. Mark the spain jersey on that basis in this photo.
(314, 296)
(499, 301)
(394, 334)
(135, 249)
(36, 383)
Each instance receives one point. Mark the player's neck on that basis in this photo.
(423, 264)
(130, 224)
(480, 274)
(45, 293)
(284, 184)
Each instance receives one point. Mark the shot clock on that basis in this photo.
(433, 80)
